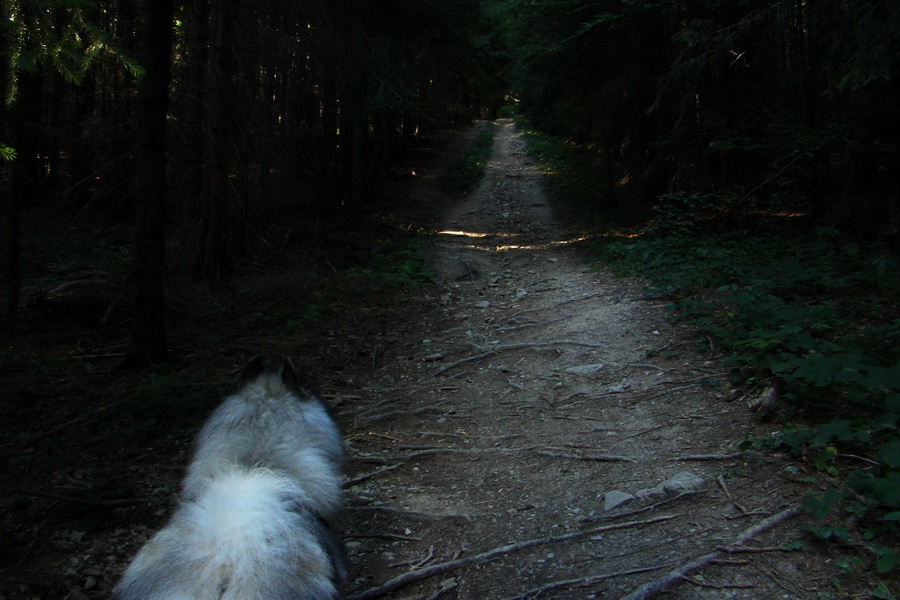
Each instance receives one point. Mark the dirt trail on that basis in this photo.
(524, 394)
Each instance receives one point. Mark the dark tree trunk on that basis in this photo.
(148, 333)
(24, 180)
(196, 36)
(213, 257)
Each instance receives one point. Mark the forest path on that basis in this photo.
(514, 406)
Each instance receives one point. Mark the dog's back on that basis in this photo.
(260, 496)
(274, 421)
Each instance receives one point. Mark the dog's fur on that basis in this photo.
(255, 516)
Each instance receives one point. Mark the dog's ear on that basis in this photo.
(253, 369)
(290, 377)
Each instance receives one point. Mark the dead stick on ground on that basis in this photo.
(655, 588)
(724, 486)
(419, 574)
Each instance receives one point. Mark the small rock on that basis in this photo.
(650, 492)
(683, 482)
(679, 484)
(482, 304)
(615, 499)
(586, 370)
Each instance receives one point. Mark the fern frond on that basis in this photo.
(7, 152)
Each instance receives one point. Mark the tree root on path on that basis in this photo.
(655, 588)
(424, 573)
(551, 452)
(591, 457)
(582, 581)
(503, 348)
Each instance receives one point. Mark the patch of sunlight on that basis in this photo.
(475, 234)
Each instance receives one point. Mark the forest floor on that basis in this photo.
(527, 426)
(527, 395)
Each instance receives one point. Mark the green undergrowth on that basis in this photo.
(810, 311)
(464, 175)
(393, 261)
(816, 314)
(575, 181)
(568, 169)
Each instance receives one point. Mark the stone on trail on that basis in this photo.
(615, 499)
(586, 370)
(684, 481)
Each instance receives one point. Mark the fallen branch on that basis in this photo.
(419, 574)
(655, 588)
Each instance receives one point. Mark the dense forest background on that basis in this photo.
(752, 147)
(720, 108)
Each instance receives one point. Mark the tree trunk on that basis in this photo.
(214, 261)
(24, 181)
(190, 169)
(148, 332)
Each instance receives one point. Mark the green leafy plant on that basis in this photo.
(813, 310)
(395, 262)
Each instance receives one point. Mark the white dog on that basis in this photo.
(255, 516)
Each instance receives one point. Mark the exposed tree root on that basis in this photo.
(424, 573)
(655, 588)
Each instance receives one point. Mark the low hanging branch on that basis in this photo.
(419, 574)
(655, 588)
